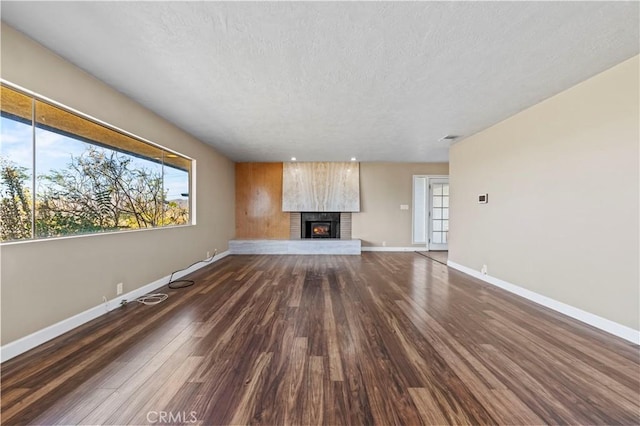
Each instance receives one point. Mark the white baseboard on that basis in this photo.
(596, 321)
(377, 248)
(39, 337)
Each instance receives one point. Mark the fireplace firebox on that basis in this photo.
(320, 229)
(320, 225)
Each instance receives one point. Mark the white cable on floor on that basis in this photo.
(152, 299)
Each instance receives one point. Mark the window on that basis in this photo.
(440, 211)
(63, 174)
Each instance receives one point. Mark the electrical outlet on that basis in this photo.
(208, 254)
(384, 244)
(119, 289)
(484, 270)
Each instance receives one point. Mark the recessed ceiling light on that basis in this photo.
(448, 138)
(353, 158)
(293, 158)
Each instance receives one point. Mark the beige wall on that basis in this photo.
(383, 187)
(562, 179)
(44, 282)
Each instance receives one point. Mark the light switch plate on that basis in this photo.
(404, 206)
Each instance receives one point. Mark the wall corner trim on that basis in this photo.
(611, 327)
(26, 343)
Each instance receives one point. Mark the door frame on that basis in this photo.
(427, 208)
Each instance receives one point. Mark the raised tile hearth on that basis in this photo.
(309, 246)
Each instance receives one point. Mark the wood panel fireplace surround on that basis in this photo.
(319, 199)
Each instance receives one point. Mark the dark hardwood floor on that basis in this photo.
(382, 338)
(438, 256)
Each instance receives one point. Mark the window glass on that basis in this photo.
(16, 166)
(176, 189)
(88, 177)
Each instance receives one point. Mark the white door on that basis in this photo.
(420, 210)
(438, 223)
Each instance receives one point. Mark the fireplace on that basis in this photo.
(320, 229)
(320, 225)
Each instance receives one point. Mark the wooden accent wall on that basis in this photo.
(259, 201)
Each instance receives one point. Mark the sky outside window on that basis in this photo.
(54, 152)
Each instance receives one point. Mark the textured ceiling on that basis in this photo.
(328, 81)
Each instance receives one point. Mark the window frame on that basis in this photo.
(38, 97)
